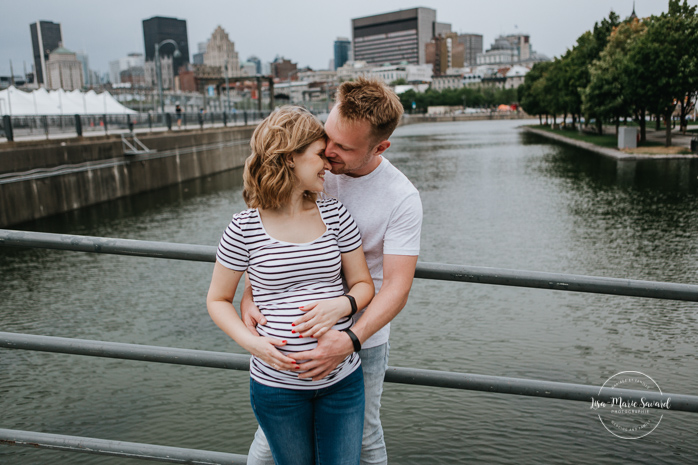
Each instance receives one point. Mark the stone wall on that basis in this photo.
(45, 178)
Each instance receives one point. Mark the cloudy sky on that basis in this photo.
(302, 30)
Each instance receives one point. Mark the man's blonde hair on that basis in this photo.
(268, 179)
(371, 100)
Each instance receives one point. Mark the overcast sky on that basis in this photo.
(302, 30)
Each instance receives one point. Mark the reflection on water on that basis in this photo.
(492, 196)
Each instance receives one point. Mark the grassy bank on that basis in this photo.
(610, 141)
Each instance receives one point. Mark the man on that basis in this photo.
(388, 211)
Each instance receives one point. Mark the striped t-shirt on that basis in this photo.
(285, 276)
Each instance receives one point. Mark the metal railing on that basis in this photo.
(466, 381)
(16, 128)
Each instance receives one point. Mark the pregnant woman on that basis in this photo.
(296, 246)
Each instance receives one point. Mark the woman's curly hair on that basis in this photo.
(268, 179)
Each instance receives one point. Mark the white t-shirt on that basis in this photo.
(388, 210)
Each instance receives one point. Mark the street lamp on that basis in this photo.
(158, 67)
(227, 88)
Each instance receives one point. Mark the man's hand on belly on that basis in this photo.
(331, 350)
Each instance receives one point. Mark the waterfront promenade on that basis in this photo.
(678, 140)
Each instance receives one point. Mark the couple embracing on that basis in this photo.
(330, 244)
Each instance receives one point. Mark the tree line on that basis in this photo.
(634, 68)
(480, 97)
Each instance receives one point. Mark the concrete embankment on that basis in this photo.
(39, 179)
(416, 119)
(607, 152)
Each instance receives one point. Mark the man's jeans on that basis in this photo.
(374, 362)
(322, 426)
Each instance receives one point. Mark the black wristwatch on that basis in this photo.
(354, 339)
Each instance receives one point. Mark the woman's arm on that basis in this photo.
(220, 307)
(324, 314)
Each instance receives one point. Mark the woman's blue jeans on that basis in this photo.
(318, 427)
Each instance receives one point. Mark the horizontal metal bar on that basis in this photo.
(117, 448)
(425, 270)
(120, 350)
(558, 281)
(201, 253)
(466, 381)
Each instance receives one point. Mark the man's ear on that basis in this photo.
(382, 147)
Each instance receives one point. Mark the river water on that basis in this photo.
(492, 196)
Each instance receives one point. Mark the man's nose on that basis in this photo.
(330, 149)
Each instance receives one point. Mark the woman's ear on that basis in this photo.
(289, 160)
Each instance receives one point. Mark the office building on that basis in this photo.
(509, 50)
(158, 29)
(116, 67)
(198, 58)
(257, 63)
(63, 70)
(444, 52)
(473, 46)
(395, 37)
(46, 37)
(341, 52)
(220, 52)
(283, 69)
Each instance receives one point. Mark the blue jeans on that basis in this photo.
(374, 362)
(322, 426)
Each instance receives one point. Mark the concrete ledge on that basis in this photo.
(95, 173)
(616, 154)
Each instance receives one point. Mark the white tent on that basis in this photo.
(58, 102)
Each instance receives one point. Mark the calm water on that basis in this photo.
(492, 197)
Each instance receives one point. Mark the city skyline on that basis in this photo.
(303, 35)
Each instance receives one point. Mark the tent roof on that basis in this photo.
(58, 102)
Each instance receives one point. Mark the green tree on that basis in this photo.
(532, 91)
(661, 63)
(607, 96)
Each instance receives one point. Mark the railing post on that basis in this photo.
(225, 119)
(78, 125)
(168, 121)
(104, 118)
(7, 124)
(245, 114)
(44, 120)
(150, 122)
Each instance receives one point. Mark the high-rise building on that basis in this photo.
(158, 29)
(341, 52)
(85, 62)
(116, 67)
(473, 46)
(63, 70)
(198, 58)
(444, 52)
(46, 37)
(257, 63)
(220, 52)
(396, 37)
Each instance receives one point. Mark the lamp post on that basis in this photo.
(158, 68)
(227, 88)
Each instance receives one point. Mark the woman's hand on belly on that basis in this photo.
(321, 316)
(265, 349)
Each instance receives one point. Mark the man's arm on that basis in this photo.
(334, 346)
(249, 312)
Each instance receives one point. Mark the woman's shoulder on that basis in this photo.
(245, 218)
(329, 203)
